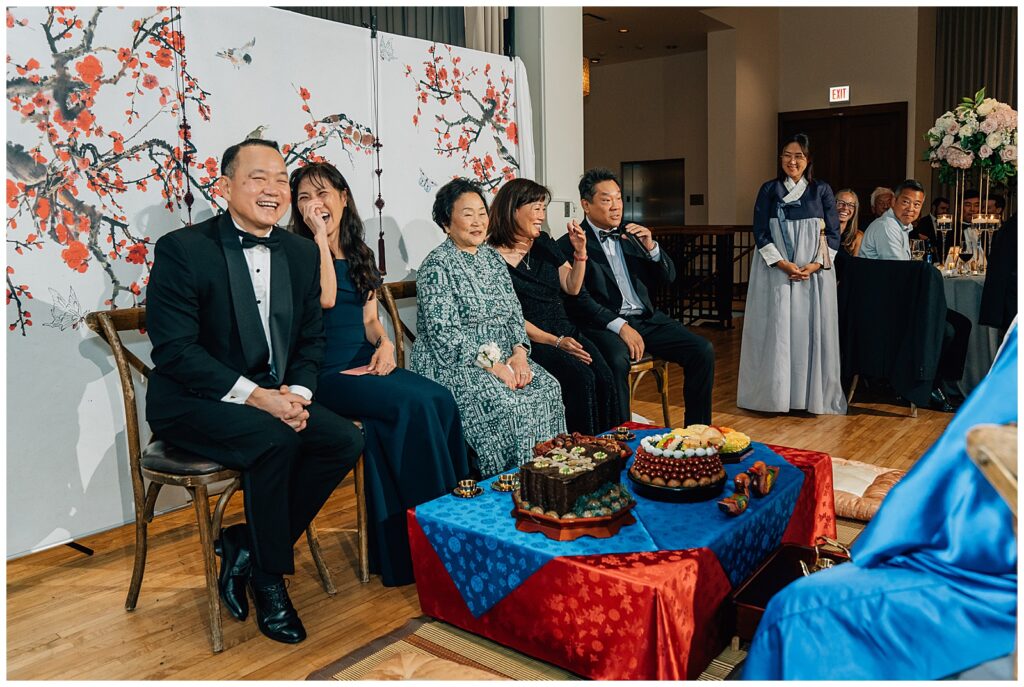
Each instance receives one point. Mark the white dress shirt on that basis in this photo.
(258, 260)
(886, 239)
(631, 304)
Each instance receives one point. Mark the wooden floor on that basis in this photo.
(65, 611)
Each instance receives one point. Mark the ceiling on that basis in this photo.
(653, 32)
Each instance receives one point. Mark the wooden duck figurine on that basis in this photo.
(737, 503)
(762, 477)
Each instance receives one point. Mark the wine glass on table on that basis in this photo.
(917, 248)
(966, 254)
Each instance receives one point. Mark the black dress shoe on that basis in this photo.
(235, 564)
(275, 615)
(938, 401)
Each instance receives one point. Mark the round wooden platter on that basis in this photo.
(731, 458)
(676, 495)
(601, 527)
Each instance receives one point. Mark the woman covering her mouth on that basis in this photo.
(414, 447)
(472, 339)
(789, 359)
(543, 280)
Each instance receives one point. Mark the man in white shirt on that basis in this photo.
(615, 308)
(233, 311)
(888, 237)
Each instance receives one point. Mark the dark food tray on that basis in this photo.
(730, 458)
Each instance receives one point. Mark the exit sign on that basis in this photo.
(839, 94)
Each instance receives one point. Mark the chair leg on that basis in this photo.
(222, 504)
(361, 523)
(913, 410)
(661, 377)
(853, 387)
(201, 501)
(142, 520)
(151, 493)
(634, 382)
(318, 558)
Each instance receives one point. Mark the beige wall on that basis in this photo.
(741, 146)
(550, 42)
(670, 122)
(875, 51)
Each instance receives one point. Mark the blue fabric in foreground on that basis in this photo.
(487, 557)
(933, 587)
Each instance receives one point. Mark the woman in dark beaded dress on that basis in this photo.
(542, 280)
(414, 447)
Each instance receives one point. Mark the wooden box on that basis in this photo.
(778, 570)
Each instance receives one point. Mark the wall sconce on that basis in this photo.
(586, 76)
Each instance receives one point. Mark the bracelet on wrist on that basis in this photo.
(580, 258)
(558, 342)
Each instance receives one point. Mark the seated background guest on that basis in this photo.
(540, 275)
(789, 358)
(932, 589)
(881, 200)
(887, 239)
(615, 310)
(414, 448)
(848, 211)
(471, 338)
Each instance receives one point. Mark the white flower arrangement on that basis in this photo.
(980, 131)
(488, 355)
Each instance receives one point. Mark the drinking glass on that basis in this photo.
(917, 248)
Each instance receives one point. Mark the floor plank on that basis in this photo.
(65, 611)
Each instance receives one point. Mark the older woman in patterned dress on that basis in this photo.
(471, 338)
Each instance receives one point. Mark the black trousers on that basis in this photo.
(954, 347)
(668, 339)
(287, 476)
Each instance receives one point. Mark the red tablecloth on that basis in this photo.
(638, 616)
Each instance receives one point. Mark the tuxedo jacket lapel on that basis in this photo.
(281, 309)
(243, 300)
(609, 287)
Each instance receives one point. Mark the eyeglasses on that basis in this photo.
(844, 204)
(791, 156)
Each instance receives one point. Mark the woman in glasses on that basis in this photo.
(789, 358)
(847, 207)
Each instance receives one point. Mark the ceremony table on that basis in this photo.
(645, 604)
(963, 294)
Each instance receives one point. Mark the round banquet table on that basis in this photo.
(963, 294)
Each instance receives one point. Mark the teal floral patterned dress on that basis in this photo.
(466, 300)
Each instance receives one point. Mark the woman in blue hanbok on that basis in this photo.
(932, 590)
(789, 358)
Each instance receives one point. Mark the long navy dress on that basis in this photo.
(414, 447)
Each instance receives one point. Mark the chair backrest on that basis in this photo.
(109, 324)
(390, 294)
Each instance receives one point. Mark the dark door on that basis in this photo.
(860, 147)
(654, 192)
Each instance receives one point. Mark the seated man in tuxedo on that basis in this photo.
(614, 307)
(233, 311)
(887, 238)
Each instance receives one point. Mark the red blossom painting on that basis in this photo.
(65, 191)
(475, 117)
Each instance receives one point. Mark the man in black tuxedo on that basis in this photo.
(615, 308)
(233, 311)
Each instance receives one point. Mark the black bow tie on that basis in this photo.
(271, 241)
(604, 235)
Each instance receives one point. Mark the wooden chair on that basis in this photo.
(163, 464)
(389, 295)
(657, 367)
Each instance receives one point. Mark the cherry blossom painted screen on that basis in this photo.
(98, 168)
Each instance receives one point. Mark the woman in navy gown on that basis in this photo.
(414, 446)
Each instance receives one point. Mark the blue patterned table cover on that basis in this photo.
(487, 557)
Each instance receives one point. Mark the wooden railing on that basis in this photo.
(712, 271)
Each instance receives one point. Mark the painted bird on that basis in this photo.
(239, 56)
(257, 132)
(763, 477)
(738, 502)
